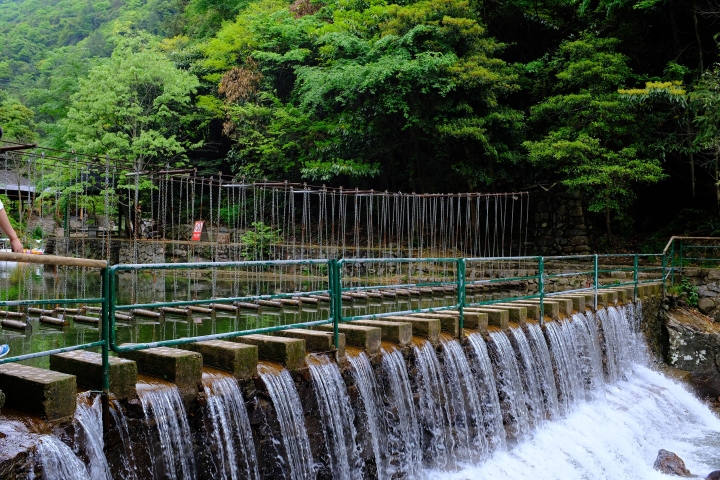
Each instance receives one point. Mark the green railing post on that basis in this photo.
(664, 276)
(335, 297)
(105, 336)
(681, 256)
(595, 281)
(461, 293)
(541, 288)
(672, 263)
(635, 277)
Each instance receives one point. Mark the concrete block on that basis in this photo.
(476, 320)
(289, 352)
(181, 367)
(516, 313)
(395, 332)
(237, 358)
(87, 367)
(360, 336)
(496, 317)
(577, 301)
(603, 299)
(533, 311)
(449, 320)
(550, 307)
(316, 341)
(422, 327)
(47, 394)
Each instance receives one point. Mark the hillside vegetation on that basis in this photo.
(618, 99)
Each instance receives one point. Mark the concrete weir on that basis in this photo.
(237, 358)
(49, 395)
(359, 336)
(289, 352)
(181, 367)
(87, 367)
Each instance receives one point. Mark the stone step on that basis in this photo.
(360, 336)
(316, 341)
(237, 358)
(181, 367)
(497, 317)
(578, 302)
(516, 313)
(550, 307)
(533, 311)
(289, 352)
(87, 367)
(47, 394)
(396, 332)
(449, 320)
(421, 327)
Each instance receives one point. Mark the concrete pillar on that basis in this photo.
(87, 367)
(47, 394)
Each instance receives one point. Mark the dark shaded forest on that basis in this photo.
(617, 99)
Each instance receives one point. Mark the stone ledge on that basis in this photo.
(47, 394)
(396, 332)
(422, 327)
(289, 352)
(87, 367)
(360, 336)
(237, 358)
(181, 367)
(316, 341)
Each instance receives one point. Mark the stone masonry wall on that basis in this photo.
(558, 225)
(707, 281)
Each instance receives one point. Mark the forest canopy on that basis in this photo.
(618, 100)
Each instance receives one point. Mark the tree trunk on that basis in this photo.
(697, 37)
(717, 177)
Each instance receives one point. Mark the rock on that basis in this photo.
(713, 475)
(694, 346)
(670, 464)
(705, 305)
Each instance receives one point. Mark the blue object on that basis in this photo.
(4, 350)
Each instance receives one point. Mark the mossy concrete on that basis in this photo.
(516, 313)
(289, 352)
(497, 317)
(449, 320)
(533, 311)
(603, 298)
(399, 333)
(577, 301)
(87, 367)
(47, 394)
(476, 321)
(181, 367)
(360, 336)
(237, 358)
(317, 341)
(422, 327)
(551, 308)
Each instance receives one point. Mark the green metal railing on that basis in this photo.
(684, 252)
(539, 272)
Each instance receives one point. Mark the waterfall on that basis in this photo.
(620, 342)
(465, 404)
(568, 374)
(374, 420)
(127, 455)
(510, 387)
(585, 339)
(230, 431)
(58, 461)
(89, 435)
(487, 390)
(163, 407)
(544, 369)
(282, 391)
(337, 418)
(437, 442)
(403, 431)
(530, 376)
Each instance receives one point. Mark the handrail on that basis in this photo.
(52, 260)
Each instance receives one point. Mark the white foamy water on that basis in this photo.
(613, 438)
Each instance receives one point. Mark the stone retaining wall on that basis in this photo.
(707, 281)
(558, 225)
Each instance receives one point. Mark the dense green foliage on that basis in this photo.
(608, 97)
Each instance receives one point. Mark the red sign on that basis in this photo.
(198, 230)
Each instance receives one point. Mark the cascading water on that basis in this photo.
(58, 461)
(403, 430)
(127, 456)
(614, 435)
(289, 411)
(164, 409)
(465, 406)
(530, 376)
(374, 420)
(89, 435)
(487, 390)
(543, 363)
(587, 348)
(568, 374)
(230, 431)
(510, 388)
(337, 419)
(620, 342)
(437, 441)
